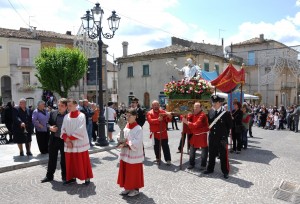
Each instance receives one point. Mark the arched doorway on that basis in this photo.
(6, 89)
(146, 100)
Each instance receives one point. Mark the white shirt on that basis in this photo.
(110, 114)
(135, 153)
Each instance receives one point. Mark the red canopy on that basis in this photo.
(228, 80)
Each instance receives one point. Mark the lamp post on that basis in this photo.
(92, 24)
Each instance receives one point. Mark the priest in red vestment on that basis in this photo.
(131, 175)
(74, 134)
(199, 128)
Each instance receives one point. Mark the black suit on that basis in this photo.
(218, 140)
(55, 144)
(141, 117)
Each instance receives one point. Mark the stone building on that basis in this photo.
(18, 49)
(272, 69)
(144, 74)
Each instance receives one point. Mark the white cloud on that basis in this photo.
(285, 31)
(144, 24)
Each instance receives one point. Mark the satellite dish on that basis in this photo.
(227, 49)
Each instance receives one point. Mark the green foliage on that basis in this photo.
(60, 69)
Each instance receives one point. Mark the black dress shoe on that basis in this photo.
(29, 154)
(46, 179)
(73, 180)
(87, 182)
(21, 153)
(207, 172)
(190, 167)
(226, 176)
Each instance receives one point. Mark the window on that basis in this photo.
(130, 71)
(146, 70)
(25, 56)
(91, 75)
(217, 68)
(60, 46)
(26, 78)
(251, 58)
(206, 66)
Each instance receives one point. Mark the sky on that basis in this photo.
(150, 24)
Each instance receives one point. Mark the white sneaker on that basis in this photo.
(125, 192)
(133, 193)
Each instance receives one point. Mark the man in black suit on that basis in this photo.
(218, 136)
(55, 142)
(141, 117)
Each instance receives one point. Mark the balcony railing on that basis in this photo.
(288, 85)
(25, 62)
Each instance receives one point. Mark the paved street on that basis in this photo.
(269, 167)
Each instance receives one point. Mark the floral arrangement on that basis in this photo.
(27, 88)
(193, 88)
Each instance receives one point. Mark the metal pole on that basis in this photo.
(102, 141)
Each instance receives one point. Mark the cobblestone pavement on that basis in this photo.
(256, 175)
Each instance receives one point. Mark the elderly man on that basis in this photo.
(199, 129)
(158, 120)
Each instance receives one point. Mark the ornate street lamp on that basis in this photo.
(92, 24)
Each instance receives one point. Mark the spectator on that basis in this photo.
(110, 116)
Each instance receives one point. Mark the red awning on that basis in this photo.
(229, 79)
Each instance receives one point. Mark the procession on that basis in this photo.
(69, 130)
(161, 101)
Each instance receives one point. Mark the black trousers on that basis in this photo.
(204, 155)
(174, 121)
(250, 128)
(95, 129)
(165, 149)
(218, 149)
(184, 137)
(42, 139)
(56, 144)
(236, 141)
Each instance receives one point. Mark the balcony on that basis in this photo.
(288, 85)
(25, 62)
(27, 88)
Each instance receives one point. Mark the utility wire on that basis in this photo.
(17, 12)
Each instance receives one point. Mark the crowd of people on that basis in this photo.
(72, 127)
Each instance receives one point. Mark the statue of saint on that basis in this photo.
(190, 70)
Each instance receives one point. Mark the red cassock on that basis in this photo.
(158, 127)
(131, 176)
(199, 127)
(78, 165)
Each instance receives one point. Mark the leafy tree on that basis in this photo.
(60, 69)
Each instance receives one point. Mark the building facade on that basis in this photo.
(272, 70)
(143, 75)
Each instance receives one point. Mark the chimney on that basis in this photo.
(125, 48)
(69, 33)
(34, 32)
(261, 38)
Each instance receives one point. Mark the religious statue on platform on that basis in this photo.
(190, 70)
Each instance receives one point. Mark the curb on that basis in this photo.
(45, 160)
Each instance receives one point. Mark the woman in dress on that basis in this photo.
(131, 175)
(22, 127)
(40, 117)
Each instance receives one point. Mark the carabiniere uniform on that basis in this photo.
(218, 140)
